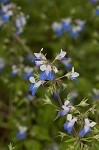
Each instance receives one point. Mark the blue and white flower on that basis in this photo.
(21, 134)
(40, 58)
(61, 56)
(66, 24)
(6, 12)
(47, 72)
(72, 75)
(70, 123)
(4, 1)
(67, 63)
(34, 85)
(75, 32)
(28, 72)
(66, 109)
(57, 28)
(97, 11)
(81, 24)
(86, 128)
(96, 94)
(20, 23)
(15, 70)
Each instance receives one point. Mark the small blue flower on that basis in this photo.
(5, 17)
(66, 24)
(67, 63)
(72, 75)
(86, 128)
(47, 72)
(65, 109)
(57, 27)
(34, 86)
(21, 134)
(97, 11)
(28, 73)
(70, 123)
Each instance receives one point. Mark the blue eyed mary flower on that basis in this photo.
(6, 12)
(72, 75)
(81, 24)
(20, 22)
(21, 134)
(75, 32)
(66, 24)
(86, 128)
(4, 1)
(57, 28)
(67, 63)
(65, 109)
(34, 85)
(47, 72)
(15, 70)
(97, 11)
(61, 56)
(28, 72)
(93, 1)
(70, 123)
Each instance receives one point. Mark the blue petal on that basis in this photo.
(74, 34)
(4, 1)
(43, 76)
(58, 32)
(97, 12)
(66, 27)
(33, 89)
(74, 80)
(21, 136)
(63, 112)
(5, 18)
(68, 127)
(27, 76)
(68, 66)
(83, 132)
(50, 76)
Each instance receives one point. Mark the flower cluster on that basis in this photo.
(48, 70)
(69, 124)
(10, 12)
(68, 27)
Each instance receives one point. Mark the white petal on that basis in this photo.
(32, 79)
(43, 67)
(69, 117)
(37, 55)
(72, 69)
(86, 128)
(55, 69)
(75, 74)
(92, 124)
(63, 53)
(48, 68)
(87, 122)
(66, 102)
(74, 120)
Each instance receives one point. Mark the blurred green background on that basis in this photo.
(14, 107)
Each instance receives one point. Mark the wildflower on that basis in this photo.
(28, 73)
(75, 31)
(40, 58)
(87, 126)
(47, 72)
(20, 22)
(65, 109)
(57, 27)
(21, 134)
(97, 11)
(34, 85)
(72, 75)
(81, 24)
(73, 95)
(66, 24)
(61, 56)
(96, 94)
(30, 97)
(15, 70)
(6, 12)
(67, 63)
(1, 64)
(70, 123)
